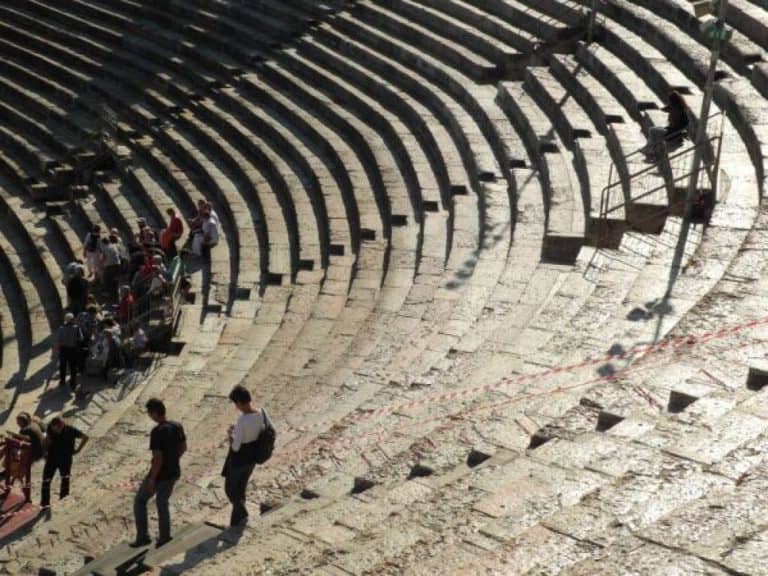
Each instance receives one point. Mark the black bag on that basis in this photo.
(181, 437)
(256, 452)
(265, 443)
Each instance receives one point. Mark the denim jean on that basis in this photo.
(64, 466)
(235, 486)
(163, 489)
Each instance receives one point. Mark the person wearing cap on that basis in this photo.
(31, 428)
(69, 338)
(61, 439)
(31, 431)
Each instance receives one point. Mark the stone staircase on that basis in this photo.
(411, 278)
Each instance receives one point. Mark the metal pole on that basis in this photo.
(701, 131)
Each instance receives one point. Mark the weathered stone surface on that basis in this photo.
(472, 367)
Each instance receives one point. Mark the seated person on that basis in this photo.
(112, 327)
(105, 352)
(196, 222)
(680, 123)
(88, 320)
(115, 358)
(137, 344)
(96, 363)
(135, 260)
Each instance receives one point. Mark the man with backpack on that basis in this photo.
(167, 443)
(252, 440)
(69, 339)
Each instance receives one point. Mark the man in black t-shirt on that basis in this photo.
(61, 439)
(167, 443)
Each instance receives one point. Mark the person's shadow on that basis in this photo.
(25, 528)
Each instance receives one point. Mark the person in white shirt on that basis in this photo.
(110, 267)
(210, 230)
(240, 463)
(122, 250)
(92, 250)
(212, 212)
(207, 235)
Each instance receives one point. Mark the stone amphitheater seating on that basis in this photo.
(416, 263)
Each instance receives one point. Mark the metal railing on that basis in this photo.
(670, 168)
(158, 309)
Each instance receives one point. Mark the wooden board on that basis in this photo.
(186, 539)
(113, 562)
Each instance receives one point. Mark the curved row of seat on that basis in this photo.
(495, 525)
(410, 198)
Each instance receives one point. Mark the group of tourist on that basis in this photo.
(102, 327)
(115, 286)
(109, 265)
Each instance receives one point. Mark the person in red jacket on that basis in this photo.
(125, 307)
(171, 233)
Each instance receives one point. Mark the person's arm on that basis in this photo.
(57, 342)
(182, 441)
(154, 470)
(267, 421)
(237, 436)
(83, 441)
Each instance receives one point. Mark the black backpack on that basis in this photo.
(265, 443)
(179, 437)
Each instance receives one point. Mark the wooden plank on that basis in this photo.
(188, 538)
(113, 562)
